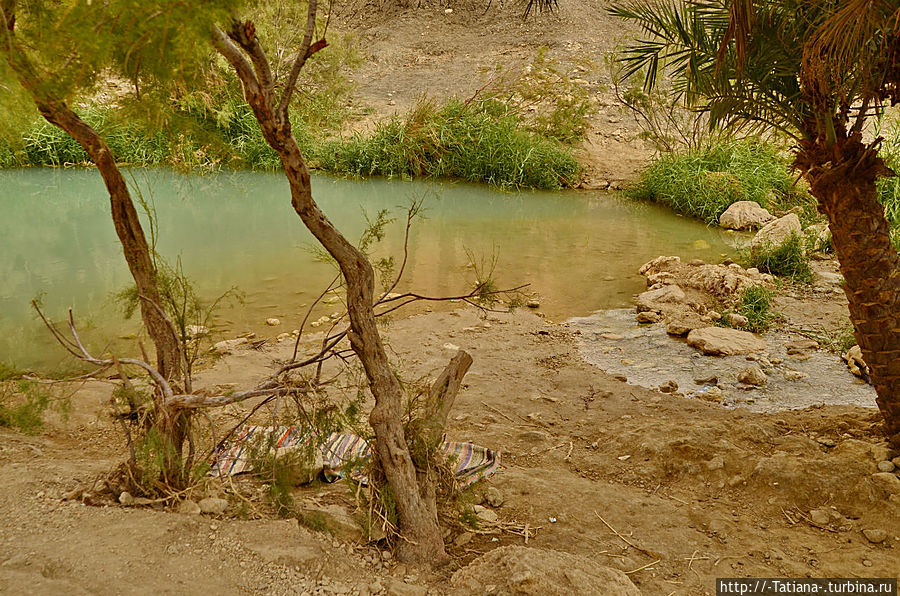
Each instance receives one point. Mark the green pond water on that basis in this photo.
(580, 251)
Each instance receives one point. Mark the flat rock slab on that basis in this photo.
(724, 341)
(744, 215)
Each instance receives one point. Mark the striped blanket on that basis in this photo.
(340, 453)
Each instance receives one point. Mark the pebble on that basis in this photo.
(793, 375)
(213, 506)
(612, 336)
(886, 466)
(875, 535)
(649, 317)
(820, 517)
(273, 322)
(494, 496)
(533, 303)
(485, 514)
(463, 539)
(752, 375)
(126, 499)
(189, 507)
(669, 386)
(451, 347)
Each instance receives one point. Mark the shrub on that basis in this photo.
(480, 141)
(704, 182)
(786, 260)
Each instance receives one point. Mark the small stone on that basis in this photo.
(867, 563)
(126, 499)
(189, 507)
(886, 466)
(795, 375)
(451, 347)
(213, 506)
(801, 346)
(485, 514)
(735, 320)
(888, 481)
(612, 336)
(820, 517)
(713, 394)
(711, 380)
(752, 375)
(273, 322)
(463, 539)
(875, 535)
(648, 317)
(669, 386)
(386, 555)
(494, 496)
(533, 303)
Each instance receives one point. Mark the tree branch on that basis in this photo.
(307, 49)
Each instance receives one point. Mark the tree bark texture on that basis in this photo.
(421, 540)
(842, 178)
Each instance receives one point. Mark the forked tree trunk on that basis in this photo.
(416, 512)
(843, 180)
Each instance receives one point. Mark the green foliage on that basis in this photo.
(23, 405)
(479, 141)
(787, 260)
(756, 305)
(704, 182)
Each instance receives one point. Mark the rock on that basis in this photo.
(526, 570)
(464, 539)
(820, 235)
(189, 507)
(681, 324)
(669, 387)
(722, 341)
(875, 535)
(660, 264)
(273, 322)
(745, 215)
(486, 515)
(820, 517)
(651, 299)
(736, 320)
(450, 347)
(711, 394)
(710, 380)
(227, 346)
(855, 363)
(776, 233)
(795, 375)
(887, 481)
(752, 375)
(801, 346)
(886, 466)
(612, 336)
(126, 499)
(494, 496)
(533, 303)
(663, 277)
(213, 506)
(648, 317)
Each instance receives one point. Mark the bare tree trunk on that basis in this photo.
(843, 181)
(418, 522)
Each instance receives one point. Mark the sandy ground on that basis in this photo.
(697, 490)
(673, 491)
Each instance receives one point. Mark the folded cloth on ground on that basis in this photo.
(339, 453)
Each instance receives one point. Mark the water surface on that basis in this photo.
(580, 251)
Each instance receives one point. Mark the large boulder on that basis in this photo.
(776, 233)
(522, 570)
(745, 215)
(723, 341)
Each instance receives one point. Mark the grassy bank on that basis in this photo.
(702, 183)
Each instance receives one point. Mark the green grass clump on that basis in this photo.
(786, 260)
(23, 405)
(704, 182)
(480, 141)
(756, 305)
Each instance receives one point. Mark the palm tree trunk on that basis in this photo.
(842, 178)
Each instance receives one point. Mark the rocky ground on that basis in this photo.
(611, 485)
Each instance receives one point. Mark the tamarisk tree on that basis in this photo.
(270, 101)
